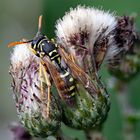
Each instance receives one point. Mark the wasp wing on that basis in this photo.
(61, 85)
(78, 73)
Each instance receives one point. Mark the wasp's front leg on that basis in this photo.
(42, 72)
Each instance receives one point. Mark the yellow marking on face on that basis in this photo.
(50, 53)
(65, 74)
(41, 46)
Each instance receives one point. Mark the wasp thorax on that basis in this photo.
(43, 46)
(30, 94)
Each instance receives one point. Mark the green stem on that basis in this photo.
(128, 127)
(61, 136)
(94, 135)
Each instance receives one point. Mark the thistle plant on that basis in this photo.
(126, 64)
(124, 67)
(86, 38)
(96, 37)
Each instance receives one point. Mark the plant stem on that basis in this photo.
(128, 127)
(61, 136)
(94, 135)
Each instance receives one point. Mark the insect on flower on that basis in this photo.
(81, 95)
(51, 55)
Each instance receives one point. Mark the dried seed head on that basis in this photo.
(125, 37)
(26, 85)
(125, 65)
(88, 31)
(125, 33)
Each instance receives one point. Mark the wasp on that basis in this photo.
(64, 74)
(80, 94)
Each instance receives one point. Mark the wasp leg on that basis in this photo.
(42, 69)
(41, 78)
(72, 58)
(95, 74)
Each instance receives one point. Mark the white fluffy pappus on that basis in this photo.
(96, 23)
(23, 66)
(21, 55)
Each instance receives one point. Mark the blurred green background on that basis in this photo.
(18, 19)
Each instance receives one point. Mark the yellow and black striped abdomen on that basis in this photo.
(69, 88)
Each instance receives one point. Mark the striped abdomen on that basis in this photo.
(67, 84)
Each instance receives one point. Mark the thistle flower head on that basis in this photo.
(125, 37)
(127, 69)
(126, 65)
(26, 85)
(89, 29)
(125, 33)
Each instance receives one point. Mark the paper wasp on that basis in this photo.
(61, 66)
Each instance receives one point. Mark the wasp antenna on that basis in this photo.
(12, 44)
(40, 23)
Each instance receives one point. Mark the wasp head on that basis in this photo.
(42, 46)
(35, 45)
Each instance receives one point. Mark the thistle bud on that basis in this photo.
(128, 67)
(26, 85)
(90, 111)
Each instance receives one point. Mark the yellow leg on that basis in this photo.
(48, 86)
(41, 78)
(72, 58)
